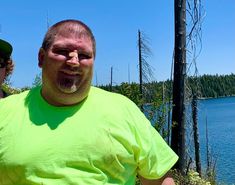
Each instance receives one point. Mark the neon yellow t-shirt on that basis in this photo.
(103, 140)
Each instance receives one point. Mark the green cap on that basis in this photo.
(5, 49)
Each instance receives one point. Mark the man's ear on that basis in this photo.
(41, 55)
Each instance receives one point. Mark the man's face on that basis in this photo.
(2, 70)
(67, 68)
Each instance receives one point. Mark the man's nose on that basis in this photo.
(73, 59)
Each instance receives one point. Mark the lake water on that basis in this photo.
(220, 116)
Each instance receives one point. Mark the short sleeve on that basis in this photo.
(154, 156)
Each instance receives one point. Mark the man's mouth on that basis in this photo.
(67, 72)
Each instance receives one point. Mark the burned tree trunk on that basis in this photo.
(196, 135)
(111, 80)
(178, 113)
(140, 65)
(145, 70)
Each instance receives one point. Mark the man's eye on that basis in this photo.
(61, 52)
(83, 56)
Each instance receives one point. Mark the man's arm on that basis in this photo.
(165, 180)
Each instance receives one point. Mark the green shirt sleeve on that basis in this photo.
(154, 157)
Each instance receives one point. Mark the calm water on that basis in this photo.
(220, 116)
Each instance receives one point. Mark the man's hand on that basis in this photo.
(165, 180)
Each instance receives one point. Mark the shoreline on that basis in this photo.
(207, 98)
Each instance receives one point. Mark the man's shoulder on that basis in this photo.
(13, 99)
(12, 105)
(109, 97)
(111, 101)
(14, 96)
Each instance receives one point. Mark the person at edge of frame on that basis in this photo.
(6, 64)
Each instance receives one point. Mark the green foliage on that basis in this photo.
(192, 178)
(209, 85)
(137, 181)
(215, 85)
(7, 87)
(9, 90)
(129, 90)
(37, 81)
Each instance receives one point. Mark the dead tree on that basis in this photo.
(140, 64)
(194, 46)
(178, 113)
(145, 70)
(195, 134)
(111, 80)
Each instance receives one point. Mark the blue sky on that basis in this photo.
(115, 24)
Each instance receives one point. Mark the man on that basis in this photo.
(6, 64)
(68, 132)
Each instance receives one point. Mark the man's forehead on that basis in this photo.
(73, 31)
(78, 35)
(73, 42)
(73, 37)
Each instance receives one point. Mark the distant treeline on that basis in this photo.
(206, 86)
(216, 85)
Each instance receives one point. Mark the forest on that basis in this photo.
(208, 86)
